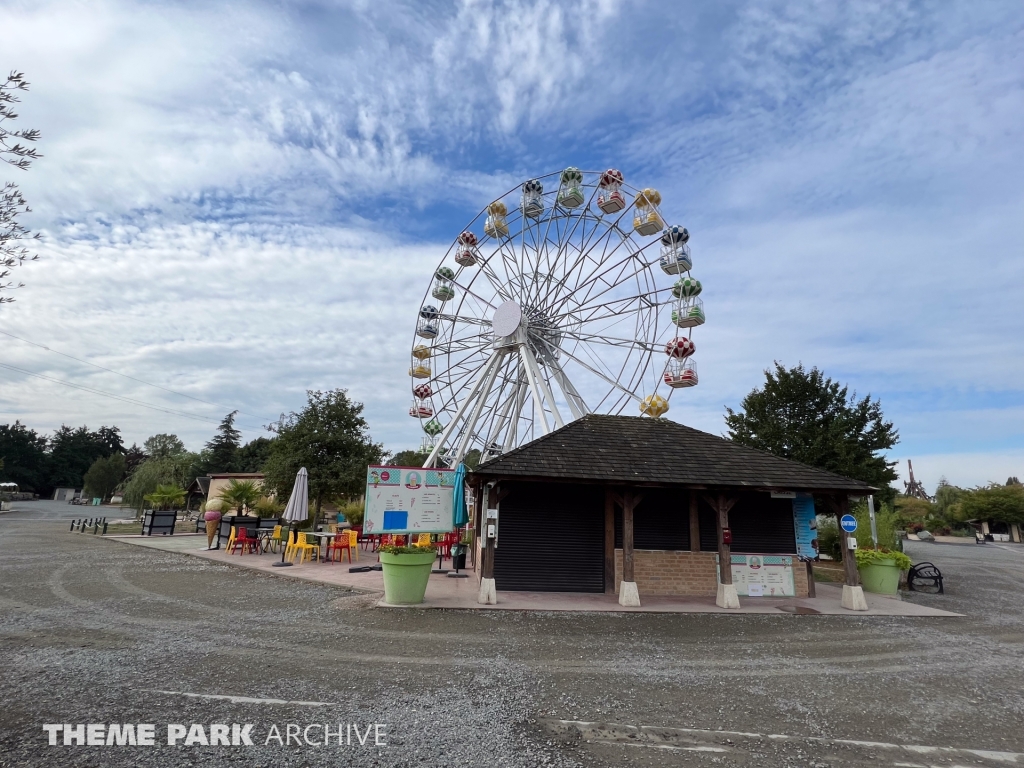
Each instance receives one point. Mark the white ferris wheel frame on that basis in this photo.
(498, 392)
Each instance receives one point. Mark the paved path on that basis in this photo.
(93, 631)
(443, 592)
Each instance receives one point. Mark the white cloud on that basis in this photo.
(241, 202)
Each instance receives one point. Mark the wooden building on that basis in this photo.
(638, 506)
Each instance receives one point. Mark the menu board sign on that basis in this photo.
(763, 575)
(409, 500)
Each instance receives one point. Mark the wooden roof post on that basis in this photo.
(694, 523)
(727, 597)
(853, 593)
(488, 595)
(628, 594)
(609, 541)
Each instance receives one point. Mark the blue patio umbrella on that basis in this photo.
(460, 516)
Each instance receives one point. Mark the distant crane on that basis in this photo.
(913, 487)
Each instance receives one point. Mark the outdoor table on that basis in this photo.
(323, 535)
(264, 535)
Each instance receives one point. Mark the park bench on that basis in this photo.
(925, 577)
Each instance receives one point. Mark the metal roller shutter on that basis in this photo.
(762, 524)
(660, 521)
(759, 523)
(551, 539)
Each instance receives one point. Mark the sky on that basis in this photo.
(244, 201)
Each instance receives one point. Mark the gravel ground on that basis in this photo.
(93, 631)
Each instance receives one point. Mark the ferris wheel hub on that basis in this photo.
(506, 319)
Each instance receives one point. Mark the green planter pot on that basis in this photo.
(882, 577)
(406, 577)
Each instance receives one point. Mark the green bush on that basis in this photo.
(870, 556)
(829, 539)
(268, 508)
(353, 512)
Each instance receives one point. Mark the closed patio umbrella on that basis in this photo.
(298, 505)
(460, 516)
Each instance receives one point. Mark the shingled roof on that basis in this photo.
(631, 449)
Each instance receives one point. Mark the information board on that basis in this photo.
(408, 500)
(763, 575)
(805, 523)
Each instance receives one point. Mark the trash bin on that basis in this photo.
(459, 557)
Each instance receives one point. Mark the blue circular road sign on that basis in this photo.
(849, 523)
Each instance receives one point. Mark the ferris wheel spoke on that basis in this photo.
(489, 274)
(612, 341)
(623, 276)
(578, 267)
(576, 403)
(621, 304)
(608, 380)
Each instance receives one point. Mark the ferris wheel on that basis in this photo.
(555, 302)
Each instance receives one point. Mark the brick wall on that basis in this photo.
(687, 574)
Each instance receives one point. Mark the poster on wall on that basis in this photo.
(763, 575)
(408, 500)
(805, 523)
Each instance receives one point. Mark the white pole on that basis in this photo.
(544, 388)
(871, 514)
(531, 379)
(481, 399)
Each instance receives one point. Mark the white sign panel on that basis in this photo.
(409, 500)
(763, 575)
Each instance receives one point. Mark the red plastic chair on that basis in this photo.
(243, 541)
(341, 543)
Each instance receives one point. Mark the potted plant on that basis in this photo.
(880, 570)
(406, 572)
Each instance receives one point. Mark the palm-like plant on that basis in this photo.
(241, 494)
(166, 497)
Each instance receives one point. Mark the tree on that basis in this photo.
(161, 446)
(13, 253)
(177, 470)
(24, 455)
(133, 457)
(1001, 503)
(104, 475)
(329, 438)
(408, 459)
(805, 416)
(167, 497)
(947, 497)
(253, 455)
(73, 451)
(223, 447)
(914, 510)
(241, 495)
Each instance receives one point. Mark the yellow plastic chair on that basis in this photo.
(277, 538)
(231, 539)
(423, 540)
(289, 547)
(353, 542)
(306, 547)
